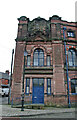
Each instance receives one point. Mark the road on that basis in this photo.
(3, 100)
(55, 115)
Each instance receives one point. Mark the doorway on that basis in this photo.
(38, 91)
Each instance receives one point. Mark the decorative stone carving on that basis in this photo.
(38, 26)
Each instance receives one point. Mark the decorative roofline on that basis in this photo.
(54, 17)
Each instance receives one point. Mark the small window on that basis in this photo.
(27, 86)
(74, 86)
(28, 60)
(48, 86)
(48, 60)
(70, 34)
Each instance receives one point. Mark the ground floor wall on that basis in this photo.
(48, 100)
(33, 94)
(41, 93)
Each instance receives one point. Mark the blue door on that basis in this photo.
(38, 91)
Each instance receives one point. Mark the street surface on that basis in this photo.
(51, 112)
(3, 100)
(7, 111)
(55, 115)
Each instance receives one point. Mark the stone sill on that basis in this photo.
(38, 72)
(39, 68)
(71, 68)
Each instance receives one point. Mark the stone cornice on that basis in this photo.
(71, 68)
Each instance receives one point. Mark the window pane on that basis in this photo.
(41, 82)
(49, 82)
(41, 55)
(48, 86)
(70, 34)
(75, 89)
(49, 90)
(35, 55)
(48, 61)
(35, 62)
(74, 86)
(27, 81)
(73, 82)
(38, 82)
(72, 57)
(35, 82)
(41, 62)
(70, 62)
(28, 60)
(72, 89)
(41, 58)
(27, 85)
(27, 89)
(38, 57)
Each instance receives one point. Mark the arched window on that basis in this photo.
(38, 57)
(72, 57)
(74, 85)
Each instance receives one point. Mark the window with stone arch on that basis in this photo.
(38, 57)
(72, 57)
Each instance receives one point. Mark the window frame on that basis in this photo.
(74, 86)
(38, 59)
(49, 60)
(49, 86)
(27, 93)
(37, 81)
(28, 60)
(71, 34)
(71, 55)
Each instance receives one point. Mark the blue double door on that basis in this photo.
(38, 91)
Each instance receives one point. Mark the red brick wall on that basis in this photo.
(18, 69)
(55, 49)
(58, 69)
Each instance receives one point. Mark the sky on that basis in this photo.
(10, 10)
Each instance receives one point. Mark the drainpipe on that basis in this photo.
(69, 105)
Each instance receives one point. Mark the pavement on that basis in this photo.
(8, 111)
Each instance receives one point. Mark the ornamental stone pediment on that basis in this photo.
(38, 25)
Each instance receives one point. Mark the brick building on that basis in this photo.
(4, 79)
(45, 79)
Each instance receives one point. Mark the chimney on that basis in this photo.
(7, 71)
